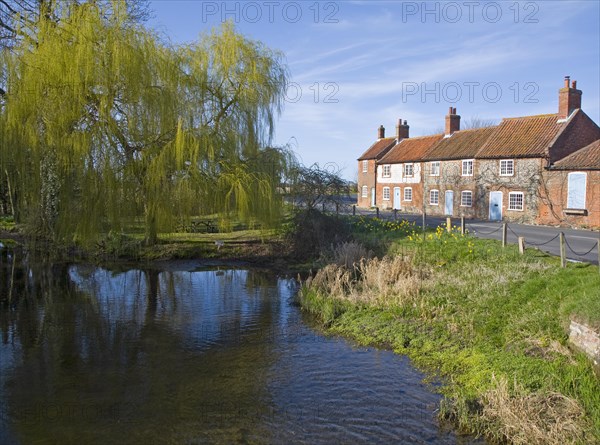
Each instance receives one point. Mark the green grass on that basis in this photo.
(483, 315)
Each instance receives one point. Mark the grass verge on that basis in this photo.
(492, 324)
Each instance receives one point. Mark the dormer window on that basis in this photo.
(507, 167)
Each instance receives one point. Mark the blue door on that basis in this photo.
(449, 203)
(495, 206)
(397, 198)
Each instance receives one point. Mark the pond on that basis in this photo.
(189, 354)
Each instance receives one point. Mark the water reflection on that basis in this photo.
(90, 355)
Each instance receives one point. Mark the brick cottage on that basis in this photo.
(542, 169)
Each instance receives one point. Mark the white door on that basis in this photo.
(449, 203)
(397, 198)
(373, 197)
(495, 206)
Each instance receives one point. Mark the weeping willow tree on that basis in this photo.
(103, 123)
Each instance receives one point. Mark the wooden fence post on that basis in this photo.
(395, 214)
(462, 225)
(377, 209)
(449, 224)
(504, 233)
(563, 251)
(521, 245)
(353, 209)
(423, 226)
(598, 247)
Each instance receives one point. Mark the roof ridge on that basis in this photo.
(533, 116)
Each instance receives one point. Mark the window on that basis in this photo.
(507, 167)
(515, 201)
(576, 193)
(365, 191)
(467, 167)
(387, 171)
(408, 194)
(434, 197)
(434, 168)
(365, 166)
(386, 193)
(408, 170)
(466, 198)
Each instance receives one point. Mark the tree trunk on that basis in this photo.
(151, 230)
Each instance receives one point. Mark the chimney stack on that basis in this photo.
(569, 98)
(401, 130)
(380, 132)
(452, 122)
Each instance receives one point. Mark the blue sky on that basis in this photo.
(358, 64)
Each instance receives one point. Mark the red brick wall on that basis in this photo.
(554, 191)
(582, 131)
(367, 179)
(414, 206)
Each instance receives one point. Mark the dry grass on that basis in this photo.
(533, 419)
(378, 282)
(350, 253)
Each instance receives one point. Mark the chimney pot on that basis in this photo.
(381, 132)
(452, 122)
(569, 99)
(405, 123)
(401, 130)
(450, 110)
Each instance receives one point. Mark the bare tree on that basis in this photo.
(316, 185)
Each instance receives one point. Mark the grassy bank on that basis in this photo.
(203, 239)
(492, 324)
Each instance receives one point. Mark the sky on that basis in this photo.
(355, 65)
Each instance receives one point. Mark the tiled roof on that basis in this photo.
(461, 145)
(586, 158)
(410, 150)
(527, 136)
(378, 149)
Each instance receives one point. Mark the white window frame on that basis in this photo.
(511, 194)
(365, 191)
(408, 189)
(584, 190)
(405, 170)
(386, 193)
(436, 171)
(507, 162)
(462, 198)
(467, 162)
(437, 200)
(387, 171)
(365, 166)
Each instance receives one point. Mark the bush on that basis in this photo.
(312, 233)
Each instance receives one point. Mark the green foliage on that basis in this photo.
(103, 122)
(485, 315)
